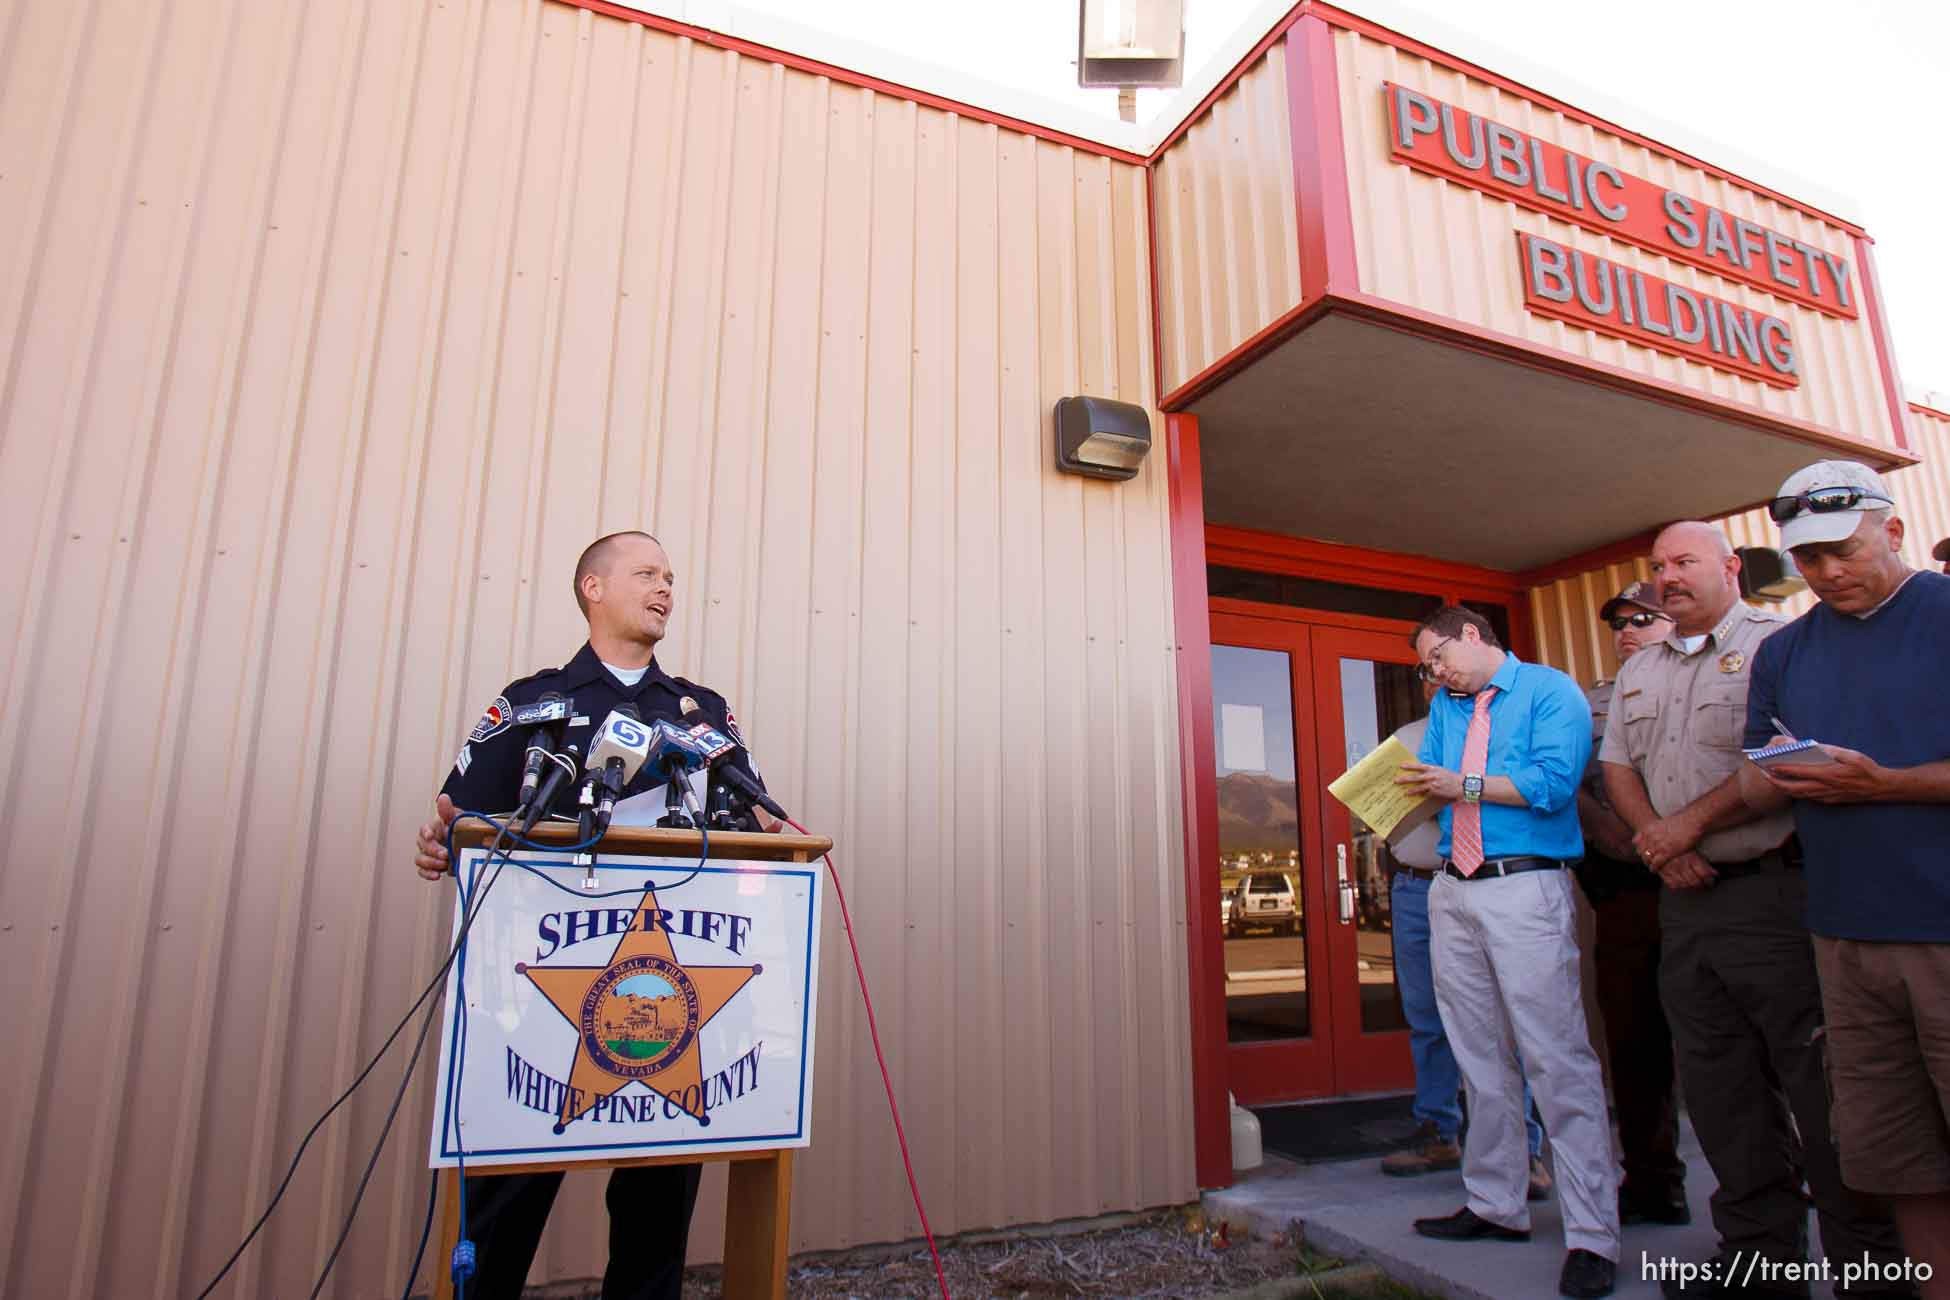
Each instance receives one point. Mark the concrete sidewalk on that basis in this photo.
(1351, 1210)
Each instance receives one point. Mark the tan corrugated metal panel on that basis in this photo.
(331, 334)
(1227, 239)
(1923, 490)
(1446, 248)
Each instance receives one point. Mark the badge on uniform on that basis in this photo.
(1732, 661)
(499, 716)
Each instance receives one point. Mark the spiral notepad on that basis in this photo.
(1798, 751)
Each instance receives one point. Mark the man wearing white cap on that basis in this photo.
(1860, 675)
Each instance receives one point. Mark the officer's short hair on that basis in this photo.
(1450, 620)
(595, 556)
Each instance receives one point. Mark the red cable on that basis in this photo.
(859, 972)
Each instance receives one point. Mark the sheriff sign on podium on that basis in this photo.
(658, 1005)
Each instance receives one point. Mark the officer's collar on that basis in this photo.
(586, 670)
(1717, 637)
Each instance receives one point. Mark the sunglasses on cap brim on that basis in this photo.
(1821, 501)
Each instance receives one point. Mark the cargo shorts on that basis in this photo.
(1888, 1011)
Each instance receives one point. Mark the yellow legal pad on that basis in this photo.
(1370, 793)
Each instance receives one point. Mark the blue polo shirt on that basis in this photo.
(1540, 737)
(1876, 871)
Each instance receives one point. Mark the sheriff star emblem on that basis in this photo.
(637, 1017)
(1732, 661)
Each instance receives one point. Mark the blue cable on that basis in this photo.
(465, 1256)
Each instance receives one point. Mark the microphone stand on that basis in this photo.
(678, 800)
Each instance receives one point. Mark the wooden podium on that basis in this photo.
(758, 1208)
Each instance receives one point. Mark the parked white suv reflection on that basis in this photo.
(1263, 898)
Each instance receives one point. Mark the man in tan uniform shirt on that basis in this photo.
(1736, 971)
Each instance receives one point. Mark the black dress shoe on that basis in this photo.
(1466, 1225)
(1586, 1275)
(1666, 1211)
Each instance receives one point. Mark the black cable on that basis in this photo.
(392, 1113)
(433, 985)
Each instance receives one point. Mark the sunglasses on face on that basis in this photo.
(1641, 620)
(1821, 501)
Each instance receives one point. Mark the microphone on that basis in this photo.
(561, 767)
(615, 757)
(547, 716)
(722, 749)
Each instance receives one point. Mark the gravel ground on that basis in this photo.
(1167, 1253)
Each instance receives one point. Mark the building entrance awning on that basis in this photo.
(1357, 431)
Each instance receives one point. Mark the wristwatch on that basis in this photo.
(1472, 789)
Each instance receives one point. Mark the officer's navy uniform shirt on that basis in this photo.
(1876, 871)
(1540, 737)
(487, 772)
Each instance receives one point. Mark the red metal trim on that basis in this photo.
(1249, 548)
(1424, 324)
(1320, 203)
(1233, 607)
(1921, 409)
(799, 62)
(1523, 629)
(1239, 70)
(1157, 322)
(1892, 383)
(1366, 27)
(1268, 337)
(1599, 557)
(1199, 779)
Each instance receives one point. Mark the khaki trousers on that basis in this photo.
(1506, 979)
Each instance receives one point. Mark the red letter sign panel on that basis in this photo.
(1450, 142)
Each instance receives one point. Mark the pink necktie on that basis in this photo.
(1466, 828)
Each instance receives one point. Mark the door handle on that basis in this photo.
(1346, 886)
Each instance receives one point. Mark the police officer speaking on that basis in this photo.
(623, 584)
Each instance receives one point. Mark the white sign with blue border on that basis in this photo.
(662, 1008)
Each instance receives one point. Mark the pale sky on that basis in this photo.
(1845, 95)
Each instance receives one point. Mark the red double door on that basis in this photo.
(1304, 919)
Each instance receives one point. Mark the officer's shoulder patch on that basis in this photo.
(497, 718)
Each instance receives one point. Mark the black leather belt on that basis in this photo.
(1420, 873)
(1785, 858)
(1504, 867)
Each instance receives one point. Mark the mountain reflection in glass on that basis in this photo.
(1259, 846)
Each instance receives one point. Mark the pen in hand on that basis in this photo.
(1778, 726)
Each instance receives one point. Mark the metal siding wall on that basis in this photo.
(1923, 490)
(330, 334)
(1448, 249)
(1227, 238)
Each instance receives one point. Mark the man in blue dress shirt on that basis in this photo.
(1506, 748)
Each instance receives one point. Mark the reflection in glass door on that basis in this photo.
(1260, 908)
(1377, 699)
(1365, 689)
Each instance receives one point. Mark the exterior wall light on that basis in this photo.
(1768, 574)
(1101, 438)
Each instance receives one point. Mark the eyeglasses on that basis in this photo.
(1822, 501)
(1426, 669)
(1620, 622)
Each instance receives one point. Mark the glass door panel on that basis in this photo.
(1365, 689)
(1377, 699)
(1260, 907)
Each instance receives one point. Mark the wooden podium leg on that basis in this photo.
(757, 1224)
(443, 1261)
